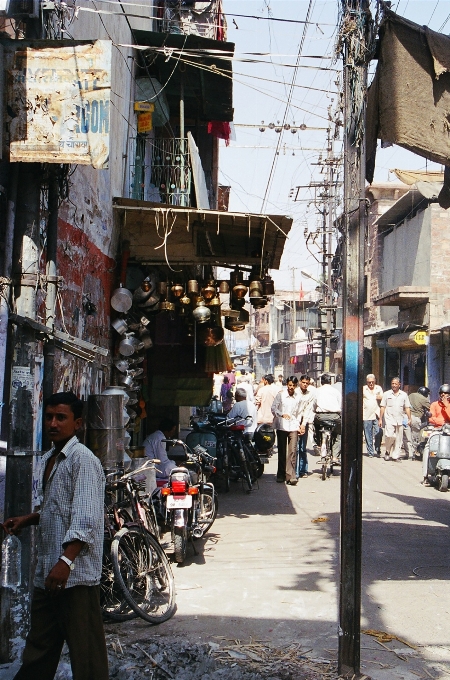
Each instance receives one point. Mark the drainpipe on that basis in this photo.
(6, 288)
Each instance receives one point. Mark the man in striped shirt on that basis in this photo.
(66, 598)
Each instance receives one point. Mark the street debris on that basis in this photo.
(382, 636)
(320, 519)
(169, 657)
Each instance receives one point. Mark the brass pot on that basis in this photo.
(201, 313)
(209, 291)
(177, 290)
(192, 286)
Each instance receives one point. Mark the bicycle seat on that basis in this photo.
(329, 424)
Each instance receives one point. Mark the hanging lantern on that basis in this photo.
(201, 313)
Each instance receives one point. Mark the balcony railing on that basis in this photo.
(160, 170)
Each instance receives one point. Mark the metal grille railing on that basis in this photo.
(160, 170)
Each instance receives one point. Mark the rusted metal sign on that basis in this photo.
(58, 102)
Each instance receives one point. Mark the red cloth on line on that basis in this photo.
(220, 129)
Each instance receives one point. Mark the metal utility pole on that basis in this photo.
(355, 31)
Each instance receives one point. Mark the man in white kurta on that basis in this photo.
(396, 409)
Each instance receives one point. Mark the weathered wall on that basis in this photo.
(406, 253)
(87, 236)
(440, 268)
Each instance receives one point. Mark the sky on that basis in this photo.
(261, 92)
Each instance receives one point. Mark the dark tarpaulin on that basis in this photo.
(409, 99)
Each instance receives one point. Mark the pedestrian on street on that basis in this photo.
(285, 410)
(440, 414)
(420, 406)
(226, 395)
(244, 408)
(305, 418)
(155, 447)
(66, 598)
(394, 405)
(372, 395)
(264, 399)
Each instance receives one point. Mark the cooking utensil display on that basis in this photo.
(122, 365)
(117, 389)
(145, 338)
(126, 380)
(120, 325)
(132, 400)
(122, 299)
(129, 345)
(136, 360)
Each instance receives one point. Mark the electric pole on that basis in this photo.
(355, 31)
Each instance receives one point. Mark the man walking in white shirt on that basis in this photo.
(305, 418)
(285, 410)
(372, 395)
(264, 399)
(395, 407)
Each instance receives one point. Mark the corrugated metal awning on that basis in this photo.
(161, 234)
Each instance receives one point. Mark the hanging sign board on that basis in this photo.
(144, 122)
(144, 106)
(58, 101)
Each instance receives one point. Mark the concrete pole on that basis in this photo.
(355, 84)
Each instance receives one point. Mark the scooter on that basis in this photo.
(438, 469)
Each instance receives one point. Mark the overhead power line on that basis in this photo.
(228, 14)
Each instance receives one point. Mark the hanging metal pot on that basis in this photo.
(192, 287)
(136, 360)
(146, 339)
(233, 324)
(268, 285)
(126, 379)
(210, 336)
(209, 291)
(166, 306)
(224, 287)
(129, 345)
(122, 365)
(122, 299)
(201, 313)
(255, 288)
(151, 303)
(120, 325)
(132, 400)
(177, 290)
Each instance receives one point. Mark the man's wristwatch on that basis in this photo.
(69, 563)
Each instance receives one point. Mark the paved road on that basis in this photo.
(269, 571)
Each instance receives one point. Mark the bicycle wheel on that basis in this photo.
(112, 601)
(209, 513)
(143, 571)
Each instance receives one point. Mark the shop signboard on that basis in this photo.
(144, 122)
(420, 337)
(58, 101)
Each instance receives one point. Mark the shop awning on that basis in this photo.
(162, 234)
(205, 66)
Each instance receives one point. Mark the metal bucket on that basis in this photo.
(105, 411)
(107, 445)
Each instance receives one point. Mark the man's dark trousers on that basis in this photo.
(73, 616)
(287, 453)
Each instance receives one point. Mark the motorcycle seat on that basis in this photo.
(329, 424)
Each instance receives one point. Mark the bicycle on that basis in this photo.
(141, 568)
(327, 428)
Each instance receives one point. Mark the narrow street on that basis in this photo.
(268, 573)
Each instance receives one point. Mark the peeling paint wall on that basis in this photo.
(87, 241)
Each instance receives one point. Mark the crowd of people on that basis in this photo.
(295, 408)
(292, 407)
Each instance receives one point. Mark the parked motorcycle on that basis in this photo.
(189, 501)
(438, 468)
